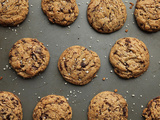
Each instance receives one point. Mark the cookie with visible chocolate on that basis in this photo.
(13, 12)
(147, 14)
(28, 57)
(10, 106)
(129, 57)
(152, 111)
(106, 16)
(108, 106)
(78, 65)
(52, 107)
(62, 12)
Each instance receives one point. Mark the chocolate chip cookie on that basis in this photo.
(78, 65)
(129, 57)
(10, 106)
(147, 14)
(62, 12)
(106, 16)
(108, 106)
(52, 107)
(152, 111)
(13, 12)
(28, 57)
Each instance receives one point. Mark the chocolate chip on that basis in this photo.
(34, 57)
(115, 52)
(23, 41)
(141, 62)
(83, 64)
(34, 40)
(10, 56)
(22, 66)
(12, 98)
(124, 111)
(127, 40)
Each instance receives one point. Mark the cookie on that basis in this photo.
(108, 106)
(28, 57)
(129, 57)
(10, 106)
(106, 16)
(78, 65)
(13, 12)
(62, 12)
(52, 107)
(147, 14)
(152, 111)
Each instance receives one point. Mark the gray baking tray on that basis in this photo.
(136, 91)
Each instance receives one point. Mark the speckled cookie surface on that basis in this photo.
(78, 65)
(147, 14)
(52, 107)
(152, 112)
(129, 57)
(13, 12)
(108, 106)
(106, 16)
(28, 57)
(62, 12)
(10, 106)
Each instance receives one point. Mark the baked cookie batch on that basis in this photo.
(78, 65)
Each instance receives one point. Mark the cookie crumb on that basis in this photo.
(126, 30)
(104, 79)
(115, 90)
(131, 5)
(1, 78)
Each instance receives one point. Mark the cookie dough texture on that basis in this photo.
(108, 106)
(28, 57)
(52, 107)
(152, 112)
(13, 12)
(147, 14)
(106, 16)
(62, 12)
(10, 106)
(129, 57)
(78, 65)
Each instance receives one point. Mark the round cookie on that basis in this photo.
(152, 111)
(129, 57)
(78, 65)
(10, 106)
(108, 106)
(62, 12)
(106, 16)
(13, 12)
(147, 14)
(52, 107)
(28, 57)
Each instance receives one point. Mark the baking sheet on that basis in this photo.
(137, 91)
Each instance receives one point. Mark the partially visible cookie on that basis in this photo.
(152, 112)
(108, 106)
(52, 107)
(147, 14)
(129, 57)
(62, 12)
(13, 12)
(28, 57)
(78, 65)
(10, 106)
(106, 16)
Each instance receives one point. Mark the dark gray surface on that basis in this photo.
(58, 39)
